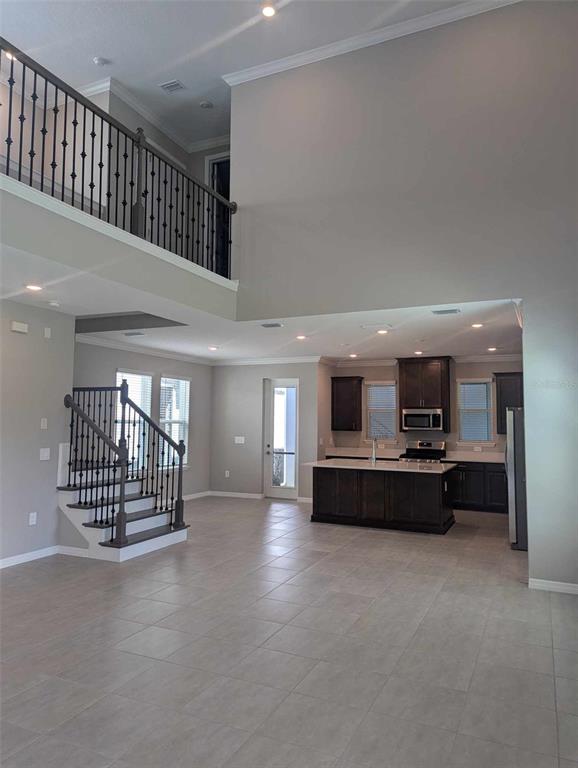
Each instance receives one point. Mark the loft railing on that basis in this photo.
(114, 442)
(58, 141)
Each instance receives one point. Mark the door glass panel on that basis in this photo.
(284, 436)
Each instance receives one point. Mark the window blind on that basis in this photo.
(140, 387)
(174, 409)
(381, 411)
(475, 411)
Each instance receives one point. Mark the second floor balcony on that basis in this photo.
(59, 142)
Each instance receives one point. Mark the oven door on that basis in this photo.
(422, 420)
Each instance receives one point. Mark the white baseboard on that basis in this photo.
(305, 499)
(26, 557)
(234, 495)
(200, 495)
(554, 586)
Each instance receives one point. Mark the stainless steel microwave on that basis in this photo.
(422, 419)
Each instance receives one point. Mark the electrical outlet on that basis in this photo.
(48, 333)
(32, 518)
(239, 440)
(321, 441)
(478, 448)
(43, 423)
(227, 473)
(45, 454)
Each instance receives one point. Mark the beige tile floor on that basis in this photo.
(266, 641)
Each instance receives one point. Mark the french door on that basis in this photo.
(281, 439)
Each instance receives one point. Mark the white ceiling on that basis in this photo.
(149, 42)
(329, 336)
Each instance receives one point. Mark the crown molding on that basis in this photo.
(363, 363)
(513, 358)
(115, 87)
(367, 39)
(268, 361)
(217, 141)
(98, 341)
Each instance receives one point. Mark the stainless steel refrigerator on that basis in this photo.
(516, 471)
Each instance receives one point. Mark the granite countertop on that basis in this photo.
(383, 466)
(490, 457)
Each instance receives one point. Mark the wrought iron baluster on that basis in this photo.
(100, 168)
(92, 185)
(22, 118)
(198, 240)
(54, 164)
(64, 145)
(109, 146)
(9, 139)
(124, 199)
(32, 153)
(70, 449)
(74, 127)
(117, 177)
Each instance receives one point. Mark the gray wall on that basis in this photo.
(97, 366)
(237, 409)
(435, 168)
(35, 374)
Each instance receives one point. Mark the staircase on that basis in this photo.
(122, 484)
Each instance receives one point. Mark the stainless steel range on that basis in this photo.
(424, 451)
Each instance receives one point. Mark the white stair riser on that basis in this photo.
(137, 505)
(132, 486)
(133, 526)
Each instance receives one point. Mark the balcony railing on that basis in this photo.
(56, 140)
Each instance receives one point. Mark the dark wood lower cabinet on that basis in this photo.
(402, 500)
(478, 486)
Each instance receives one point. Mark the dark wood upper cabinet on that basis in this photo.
(509, 394)
(346, 399)
(425, 383)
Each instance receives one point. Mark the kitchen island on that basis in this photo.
(387, 494)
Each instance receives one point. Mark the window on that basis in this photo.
(381, 411)
(140, 392)
(475, 411)
(174, 409)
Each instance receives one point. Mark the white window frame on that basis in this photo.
(134, 372)
(490, 442)
(178, 378)
(389, 441)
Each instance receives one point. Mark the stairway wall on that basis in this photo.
(35, 373)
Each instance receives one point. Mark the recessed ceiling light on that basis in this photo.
(353, 354)
(268, 10)
(477, 325)
(206, 104)
(418, 352)
(382, 332)
(33, 287)
(213, 349)
(492, 349)
(301, 338)
(100, 61)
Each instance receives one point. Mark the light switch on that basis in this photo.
(18, 327)
(239, 440)
(45, 454)
(48, 333)
(43, 423)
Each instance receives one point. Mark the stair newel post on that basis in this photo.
(120, 525)
(137, 223)
(179, 506)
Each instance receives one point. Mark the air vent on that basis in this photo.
(172, 86)
(271, 325)
(134, 333)
(446, 311)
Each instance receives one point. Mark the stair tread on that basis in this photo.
(137, 538)
(128, 497)
(97, 485)
(131, 517)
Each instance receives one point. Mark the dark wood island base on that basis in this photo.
(378, 497)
